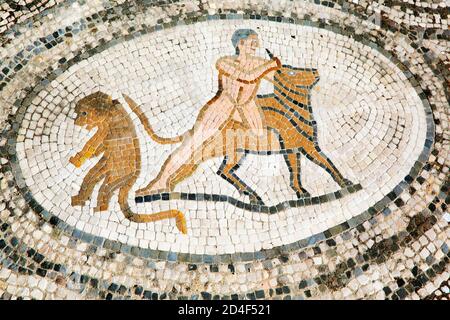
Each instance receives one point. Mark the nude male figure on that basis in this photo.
(239, 80)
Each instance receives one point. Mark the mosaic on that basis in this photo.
(223, 150)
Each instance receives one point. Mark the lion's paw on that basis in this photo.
(102, 207)
(76, 161)
(77, 201)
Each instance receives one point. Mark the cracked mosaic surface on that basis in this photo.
(347, 200)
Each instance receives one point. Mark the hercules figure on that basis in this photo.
(239, 80)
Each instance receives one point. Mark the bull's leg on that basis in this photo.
(313, 153)
(227, 171)
(293, 163)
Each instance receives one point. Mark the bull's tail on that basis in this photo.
(137, 110)
(152, 217)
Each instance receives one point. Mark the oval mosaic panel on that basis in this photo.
(369, 124)
(223, 150)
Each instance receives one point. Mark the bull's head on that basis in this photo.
(304, 78)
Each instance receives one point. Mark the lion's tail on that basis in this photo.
(136, 109)
(152, 217)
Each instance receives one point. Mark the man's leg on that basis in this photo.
(211, 119)
(254, 117)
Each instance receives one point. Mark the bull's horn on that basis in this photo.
(269, 53)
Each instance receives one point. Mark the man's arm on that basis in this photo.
(269, 76)
(235, 71)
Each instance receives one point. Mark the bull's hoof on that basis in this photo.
(347, 183)
(256, 200)
(303, 194)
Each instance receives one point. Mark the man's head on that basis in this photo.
(245, 41)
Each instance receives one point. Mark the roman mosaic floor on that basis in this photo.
(224, 149)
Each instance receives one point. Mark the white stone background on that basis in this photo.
(361, 101)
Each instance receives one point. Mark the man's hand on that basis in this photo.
(276, 62)
(275, 59)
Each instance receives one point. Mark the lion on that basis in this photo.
(290, 130)
(120, 164)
